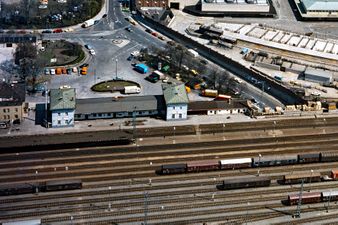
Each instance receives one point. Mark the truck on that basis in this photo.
(192, 53)
(132, 90)
(88, 23)
(210, 93)
(155, 76)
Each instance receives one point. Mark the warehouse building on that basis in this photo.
(318, 9)
(233, 6)
(318, 76)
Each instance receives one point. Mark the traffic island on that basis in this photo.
(123, 86)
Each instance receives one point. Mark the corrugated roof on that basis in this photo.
(175, 94)
(124, 104)
(322, 5)
(62, 99)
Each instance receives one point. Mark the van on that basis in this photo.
(58, 71)
(84, 71)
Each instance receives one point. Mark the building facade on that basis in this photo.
(62, 107)
(12, 97)
(176, 101)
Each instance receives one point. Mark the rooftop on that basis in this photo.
(121, 104)
(320, 5)
(216, 105)
(175, 94)
(62, 98)
(12, 94)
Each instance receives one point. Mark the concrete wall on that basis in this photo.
(177, 112)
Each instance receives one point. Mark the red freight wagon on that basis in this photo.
(312, 197)
(205, 165)
(334, 174)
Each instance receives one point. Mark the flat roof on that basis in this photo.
(320, 5)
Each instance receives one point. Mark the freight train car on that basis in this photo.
(205, 165)
(247, 182)
(23, 222)
(329, 196)
(173, 168)
(298, 177)
(274, 160)
(334, 174)
(329, 156)
(235, 163)
(309, 158)
(18, 189)
(62, 185)
(312, 197)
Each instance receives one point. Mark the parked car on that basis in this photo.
(47, 71)
(69, 71)
(52, 71)
(75, 70)
(92, 52)
(64, 70)
(84, 65)
(59, 30)
(47, 31)
(161, 38)
(149, 31)
(129, 29)
(154, 34)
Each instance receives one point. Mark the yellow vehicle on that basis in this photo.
(188, 89)
(83, 71)
(194, 72)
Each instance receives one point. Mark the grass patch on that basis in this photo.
(113, 85)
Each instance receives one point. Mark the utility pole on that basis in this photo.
(116, 60)
(145, 208)
(134, 124)
(297, 215)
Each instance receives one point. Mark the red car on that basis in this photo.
(154, 34)
(57, 31)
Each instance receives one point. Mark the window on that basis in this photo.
(59, 114)
(59, 122)
(4, 110)
(173, 116)
(173, 107)
(16, 116)
(67, 122)
(66, 113)
(180, 115)
(180, 107)
(16, 110)
(4, 117)
(100, 114)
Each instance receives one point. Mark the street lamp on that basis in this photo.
(36, 176)
(109, 204)
(223, 132)
(116, 60)
(174, 141)
(259, 163)
(310, 180)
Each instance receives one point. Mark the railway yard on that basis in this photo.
(121, 184)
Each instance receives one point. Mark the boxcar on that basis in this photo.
(275, 160)
(329, 156)
(312, 197)
(334, 174)
(236, 163)
(247, 182)
(329, 196)
(17, 189)
(173, 168)
(298, 177)
(205, 165)
(63, 185)
(309, 158)
(23, 222)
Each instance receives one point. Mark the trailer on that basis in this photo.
(88, 23)
(236, 163)
(209, 93)
(132, 90)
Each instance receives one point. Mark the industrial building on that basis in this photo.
(318, 9)
(236, 6)
(318, 75)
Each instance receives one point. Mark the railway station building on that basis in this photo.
(62, 107)
(176, 101)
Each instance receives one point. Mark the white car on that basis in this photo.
(52, 71)
(135, 53)
(92, 52)
(315, 93)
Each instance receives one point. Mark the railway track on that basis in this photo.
(184, 196)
